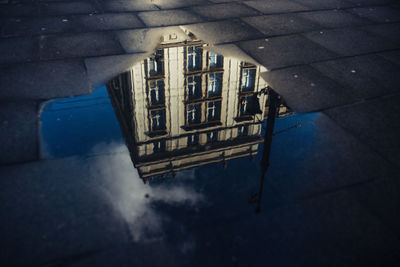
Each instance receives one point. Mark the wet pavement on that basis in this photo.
(193, 133)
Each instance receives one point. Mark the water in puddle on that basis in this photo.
(181, 141)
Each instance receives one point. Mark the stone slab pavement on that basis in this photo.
(338, 57)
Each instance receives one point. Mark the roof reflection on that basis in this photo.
(186, 106)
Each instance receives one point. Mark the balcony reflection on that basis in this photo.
(186, 106)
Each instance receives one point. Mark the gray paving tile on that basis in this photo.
(364, 76)
(127, 6)
(375, 122)
(305, 89)
(19, 10)
(352, 41)
(169, 4)
(393, 56)
(35, 26)
(276, 6)
(64, 8)
(43, 80)
(102, 69)
(19, 131)
(377, 13)
(168, 17)
(18, 50)
(223, 31)
(79, 45)
(333, 18)
(381, 198)
(223, 11)
(389, 31)
(109, 21)
(146, 40)
(331, 159)
(370, 2)
(66, 200)
(285, 51)
(325, 4)
(336, 229)
(281, 24)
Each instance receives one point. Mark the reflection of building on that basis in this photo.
(185, 106)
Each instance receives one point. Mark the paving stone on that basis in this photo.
(19, 10)
(109, 21)
(365, 76)
(79, 45)
(376, 123)
(54, 211)
(350, 41)
(145, 40)
(393, 56)
(37, 26)
(381, 198)
(276, 6)
(334, 228)
(18, 50)
(223, 31)
(378, 13)
(389, 31)
(306, 90)
(19, 131)
(64, 8)
(320, 157)
(370, 2)
(223, 11)
(102, 69)
(325, 4)
(43, 80)
(333, 18)
(285, 51)
(169, 4)
(127, 6)
(168, 17)
(281, 24)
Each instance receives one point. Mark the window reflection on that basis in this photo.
(178, 112)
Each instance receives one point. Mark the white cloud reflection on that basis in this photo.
(132, 199)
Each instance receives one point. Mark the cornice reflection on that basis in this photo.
(186, 106)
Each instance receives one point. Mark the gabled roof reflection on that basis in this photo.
(186, 106)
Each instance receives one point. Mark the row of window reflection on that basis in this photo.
(194, 89)
(194, 60)
(193, 140)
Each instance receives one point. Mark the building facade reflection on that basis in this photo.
(186, 106)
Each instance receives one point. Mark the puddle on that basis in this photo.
(184, 106)
(180, 133)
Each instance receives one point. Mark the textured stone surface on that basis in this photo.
(376, 123)
(126, 6)
(223, 11)
(377, 13)
(79, 45)
(102, 69)
(18, 50)
(305, 89)
(349, 41)
(276, 6)
(281, 24)
(285, 51)
(388, 31)
(365, 76)
(168, 17)
(333, 18)
(223, 32)
(43, 80)
(18, 143)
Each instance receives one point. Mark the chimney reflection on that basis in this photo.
(185, 106)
